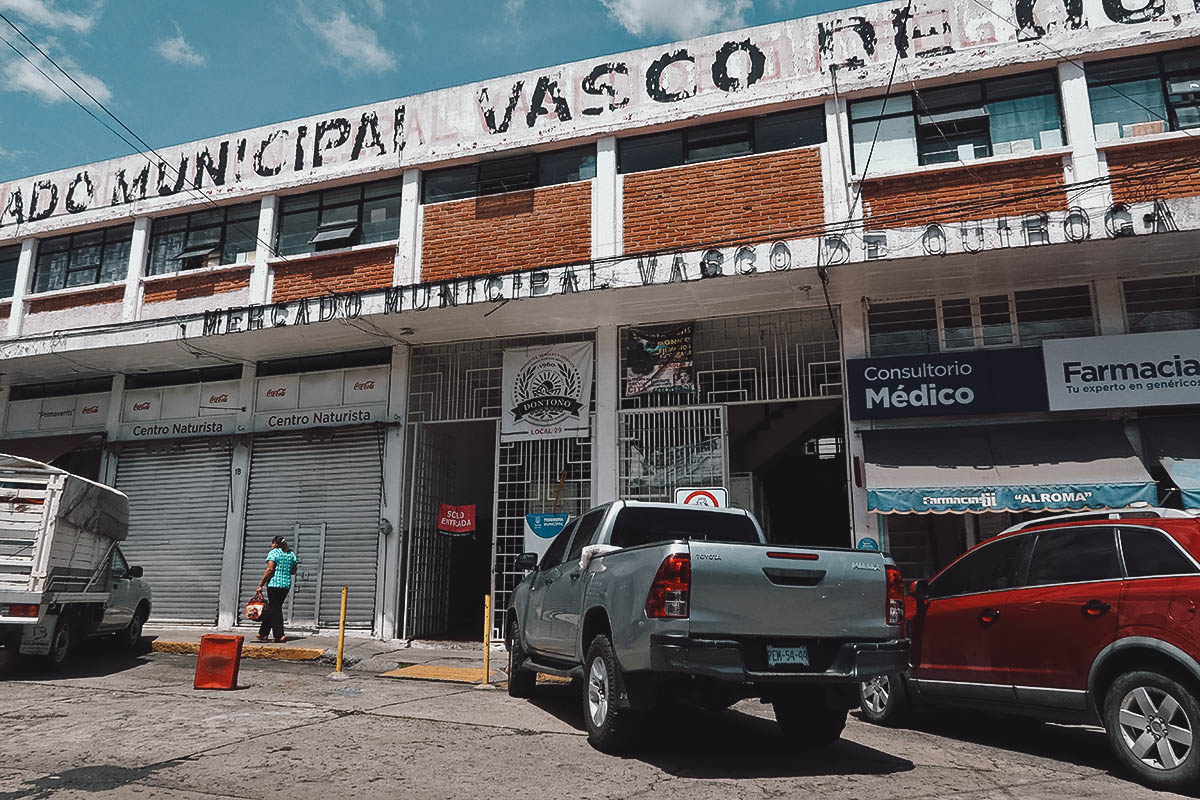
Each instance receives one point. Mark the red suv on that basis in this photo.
(1087, 617)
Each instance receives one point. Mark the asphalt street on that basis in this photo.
(118, 726)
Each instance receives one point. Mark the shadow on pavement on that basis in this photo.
(92, 658)
(693, 743)
(97, 778)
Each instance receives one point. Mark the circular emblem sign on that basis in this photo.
(547, 390)
(701, 497)
(868, 544)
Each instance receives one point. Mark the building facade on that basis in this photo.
(894, 277)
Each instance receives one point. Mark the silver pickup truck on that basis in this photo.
(644, 601)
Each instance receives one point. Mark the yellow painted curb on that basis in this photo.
(267, 652)
(428, 672)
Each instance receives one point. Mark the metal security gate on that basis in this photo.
(550, 475)
(663, 448)
(427, 554)
(178, 504)
(313, 487)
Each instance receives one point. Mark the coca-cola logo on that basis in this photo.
(91, 410)
(218, 399)
(364, 386)
(278, 391)
(143, 406)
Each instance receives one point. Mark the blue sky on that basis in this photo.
(178, 70)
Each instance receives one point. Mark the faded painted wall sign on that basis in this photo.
(783, 62)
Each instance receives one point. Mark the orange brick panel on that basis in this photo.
(356, 271)
(507, 232)
(1155, 171)
(93, 297)
(186, 287)
(965, 194)
(755, 197)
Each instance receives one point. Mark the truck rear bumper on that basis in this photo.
(724, 659)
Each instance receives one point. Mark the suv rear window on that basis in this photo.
(1149, 553)
(638, 526)
(1074, 555)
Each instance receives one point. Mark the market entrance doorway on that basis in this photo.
(787, 465)
(451, 529)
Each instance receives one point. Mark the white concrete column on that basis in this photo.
(608, 237)
(835, 163)
(608, 394)
(1086, 162)
(112, 431)
(852, 327)
(235, 519)
(1110, 306)
(268, 224)
(139, 256)
(390, 583)
(23, 287)
(407, 267)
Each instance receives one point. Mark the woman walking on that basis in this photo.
(281, 565)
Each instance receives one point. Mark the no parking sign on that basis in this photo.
(711, 496)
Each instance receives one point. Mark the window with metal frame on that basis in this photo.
(1074, 555)
(9, 256)
(203, 239)
(989, 568)
(509, 175)
(1145, 95)
(959, 123)
(82, 259)
(780, 131)
(337, 218)
(913, 327)
(1162, 304)
(1149, 553)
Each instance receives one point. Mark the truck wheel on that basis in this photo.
(808, 720)
(1151, 721)
(520, 681)
(130, 639)
(883, 700)
(62, 644)
(610, 729)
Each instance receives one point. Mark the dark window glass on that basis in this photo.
(203, 238)
(1163, 304)
(1145, 95)
(567, 166)
(713, 142)
(82, 259)
(509, 175)
(120, 569)
(656, 151)
(341, 217)
(1148, 553)
(1054, 313)
(556, 550)
(356, 358)
(995, 317)
(903, 328)
(789, 129)
(448, 184)
(957, 326)
(8, 269)
(1074, 556)
(32, 391)
(990, 567)
(636, 526)
(585, 532)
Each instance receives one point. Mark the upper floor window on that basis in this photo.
(82, 259)
(911, 327)
(8, 270)
(340, 217)
(509, 175)
(1144, 95)
(1163, 304)
(782, 131)
(950, 124)
(203, 239)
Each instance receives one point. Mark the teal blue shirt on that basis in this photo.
(281, 578)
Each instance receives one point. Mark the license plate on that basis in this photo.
(787, 656)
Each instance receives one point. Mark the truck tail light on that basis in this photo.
(894, 610)
(23, 610)
(671, 590)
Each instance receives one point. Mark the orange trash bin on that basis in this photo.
(217, 664)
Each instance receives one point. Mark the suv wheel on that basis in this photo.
(1151, 720)
(520, 681)
(610, 730)
(883, 700)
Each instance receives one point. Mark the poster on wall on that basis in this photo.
(456, 520)
(659, 360)
(547, 392)
(540, 530)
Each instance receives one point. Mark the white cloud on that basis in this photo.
(178, 50)
(513, 8)
(351, 46)
(678, 18)
(48, 14)
(19, 75)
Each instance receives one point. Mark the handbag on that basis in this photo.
(256, 607)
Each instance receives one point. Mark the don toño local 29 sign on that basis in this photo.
(1131, 371)
(944, 384)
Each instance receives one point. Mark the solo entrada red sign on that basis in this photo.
(456, 520)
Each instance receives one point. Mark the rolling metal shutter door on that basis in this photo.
(295, 480)
(178, 502)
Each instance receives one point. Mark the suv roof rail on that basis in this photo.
(1137, 512)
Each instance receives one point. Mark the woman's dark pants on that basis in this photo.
(272, 620)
